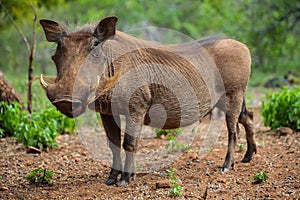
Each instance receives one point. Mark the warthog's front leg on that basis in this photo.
(131, 139)
(111, 126)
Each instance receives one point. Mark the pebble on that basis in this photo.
(290, 191)
(33, 150)
(210, 162)
(283, 131)
(194, 156)
(76, 155)
(214, 187)
(162, 184)
(3, 188)
(222, 180)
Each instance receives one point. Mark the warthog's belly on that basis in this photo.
(173, 114)
(171, 122)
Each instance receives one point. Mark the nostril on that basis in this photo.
(76, 105)
(62, 105)
(67, 105)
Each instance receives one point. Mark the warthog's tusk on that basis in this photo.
(94, 87)
(43, 83)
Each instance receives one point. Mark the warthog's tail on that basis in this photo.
(244, 112)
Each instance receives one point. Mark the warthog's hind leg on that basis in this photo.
(234, 102)
(111, 126)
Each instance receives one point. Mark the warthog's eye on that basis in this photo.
(95, 43)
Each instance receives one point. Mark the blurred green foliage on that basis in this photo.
(173, 132)
(282, 109)
(270, 28)
(38, 129)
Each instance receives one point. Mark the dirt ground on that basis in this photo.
(77, 175)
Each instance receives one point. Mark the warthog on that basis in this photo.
(116, 74)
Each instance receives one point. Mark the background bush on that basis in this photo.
(39, 129)
(282, 108)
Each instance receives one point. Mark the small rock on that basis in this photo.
(163, 184)
(222, 180)
(194, 156)
(290, 191)
(189, 162)
(210, 162)
(33, 150)
(3, 188)
(214, 187)
(283, 131)
(162, 136)
(65, 157)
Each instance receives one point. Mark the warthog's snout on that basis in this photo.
(69, 107)
(71, 103)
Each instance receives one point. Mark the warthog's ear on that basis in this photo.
(106, 28)
(53, 30)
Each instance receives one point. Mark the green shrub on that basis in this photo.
(241, 147)
(260, 177)
(10, 117)
(40, 176)
(282, 109)
(174, 146)
(176, 189)
(39, 129)
(160, 132)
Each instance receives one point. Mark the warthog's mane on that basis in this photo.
(87, 28)
(205, 41)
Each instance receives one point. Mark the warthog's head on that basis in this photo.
(76, 76)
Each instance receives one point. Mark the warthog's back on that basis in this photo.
(233, 60)
(180, 83)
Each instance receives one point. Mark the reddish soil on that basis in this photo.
(78, 176)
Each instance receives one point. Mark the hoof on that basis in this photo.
(246, 160)
(248, 155)
(123, 183)
(113, 177)
(224, 169)
(227, 166)
(125, 179)
(111, 181)
(133, 176)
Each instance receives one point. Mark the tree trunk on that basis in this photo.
(7, 92)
